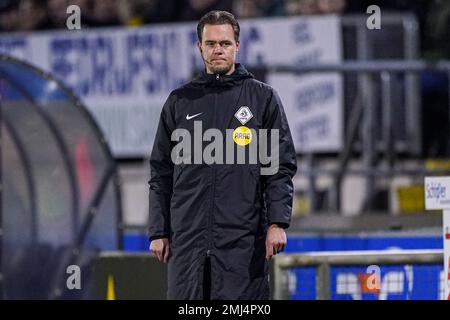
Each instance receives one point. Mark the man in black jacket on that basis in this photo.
(216, 215)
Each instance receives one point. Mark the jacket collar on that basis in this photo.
(221, 80)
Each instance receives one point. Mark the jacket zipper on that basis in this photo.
(210, 216)
(208, 251)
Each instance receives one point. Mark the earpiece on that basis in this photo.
(203, 58)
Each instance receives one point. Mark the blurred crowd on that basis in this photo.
(28, 15)
(51, 14)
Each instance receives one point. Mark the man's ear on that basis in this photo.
(238, 44)
(199, 46)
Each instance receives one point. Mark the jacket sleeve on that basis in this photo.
(161, 174)
(278, 187)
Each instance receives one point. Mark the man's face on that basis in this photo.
(218, 48)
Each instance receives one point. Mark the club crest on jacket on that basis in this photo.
(243, 114)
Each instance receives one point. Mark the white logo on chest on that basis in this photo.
(188, 117)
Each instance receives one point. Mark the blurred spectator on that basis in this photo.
(57, 12)
(360, 6)
(87, 12)
(164, 11)
(9, 15)
(258, 8)
(302, 7)
(434, 85)
(130, 13)
(34, 15)
(331, 6)
(437, 27)
(195, 9)
(106, 13)
(86, 6)
(314, 7)
(246, 9)
(135, 12)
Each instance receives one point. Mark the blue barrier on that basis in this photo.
(398, 282)
(300, 243)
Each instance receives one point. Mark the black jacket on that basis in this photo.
(219, 211)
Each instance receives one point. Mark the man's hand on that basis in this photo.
(275, 241)
(160, 248)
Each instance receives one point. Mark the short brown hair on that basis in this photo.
(218, 17)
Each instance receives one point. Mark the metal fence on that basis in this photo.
(372, 126)
(382, 110)
(360, 275)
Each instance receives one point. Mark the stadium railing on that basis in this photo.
(360, 275)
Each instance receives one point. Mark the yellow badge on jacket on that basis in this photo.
(242, 136)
